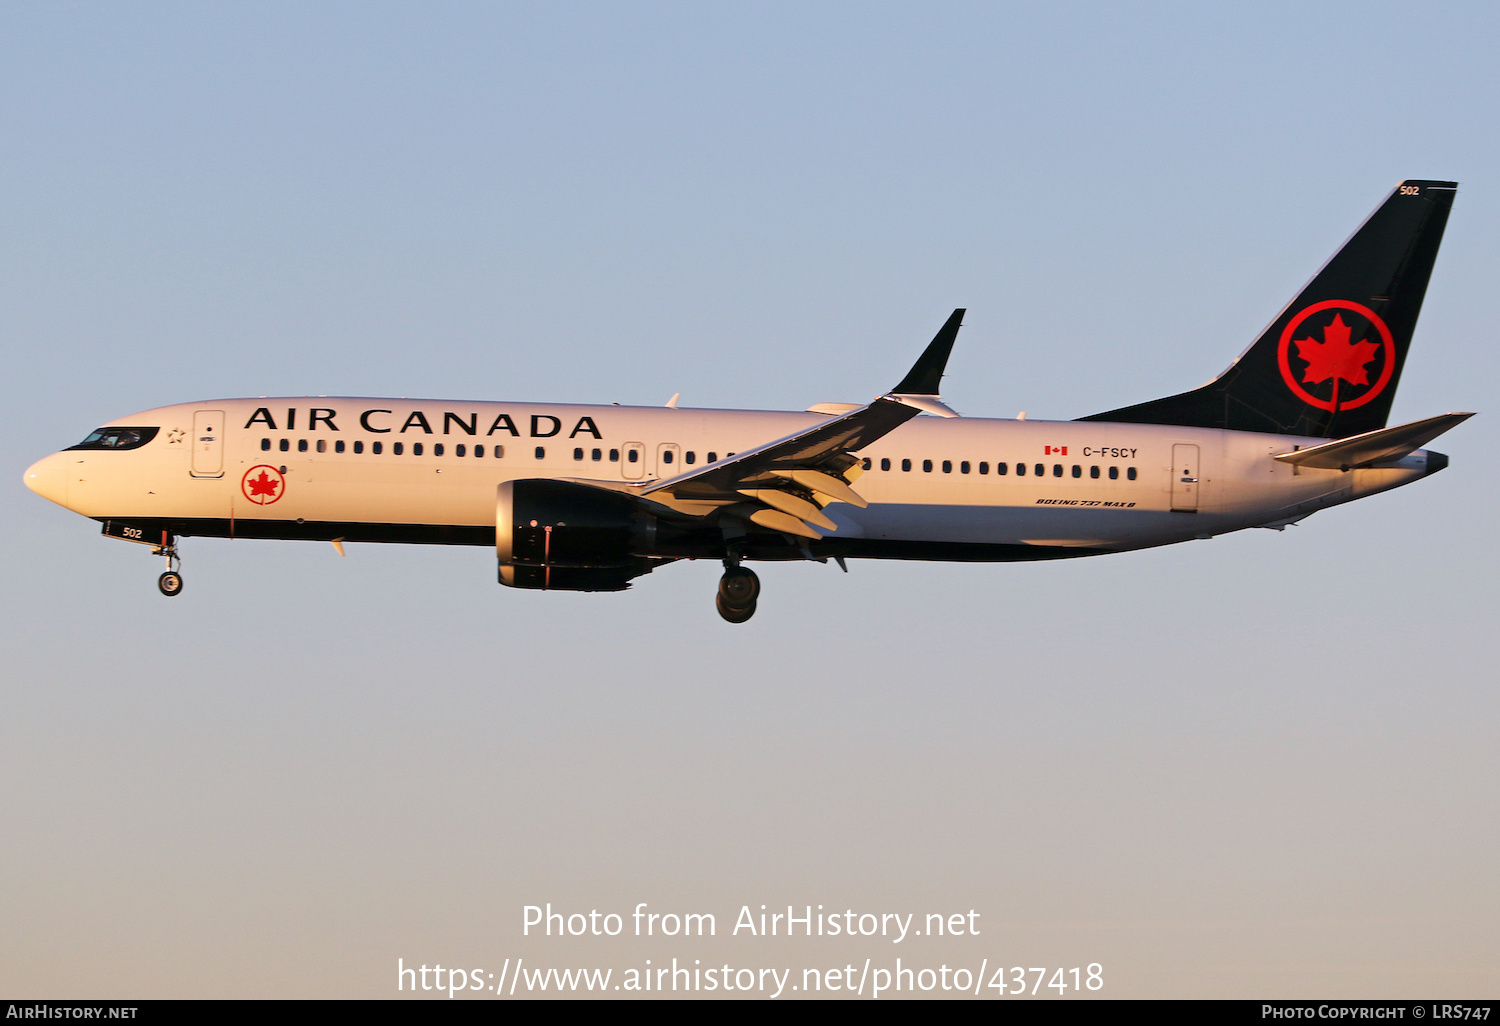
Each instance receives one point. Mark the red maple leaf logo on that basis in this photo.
(1336, 357)
(263, 485)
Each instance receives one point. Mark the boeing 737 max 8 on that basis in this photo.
(587, 498)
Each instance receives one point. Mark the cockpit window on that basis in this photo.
(117, 438)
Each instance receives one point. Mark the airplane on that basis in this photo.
(588, 498)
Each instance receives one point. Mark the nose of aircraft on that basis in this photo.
(48, 478)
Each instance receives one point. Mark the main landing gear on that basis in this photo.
(170, 583)
(738, 590)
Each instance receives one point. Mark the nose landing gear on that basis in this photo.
(169, 583)
(738, 590)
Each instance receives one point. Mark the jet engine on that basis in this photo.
(563, 536)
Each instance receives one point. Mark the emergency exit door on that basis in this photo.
(1184, 479)
(208, 443)
(668, 460)
(633, 460)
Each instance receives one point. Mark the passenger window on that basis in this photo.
(632, 455)
(479, 450)
(499, 452)
(597, 455)
(1077, 470)
(437, 449)
(359, 448)
(416, 448)
(461, 450)
(1094, 473)
(614, 455)
(285, 446)
(541, 452)
(866, 463)
(984, 467)
(397, 448)
(1130, 473)
(690, 457)
(1020, 469)
(265, 445)
(885, 463)
(578, 455)
(301, 445)
(906, 464)
(926, 466)
(338, 446)
(1057, 470)
(947, 466)
(713, 457)
(963, 468)
(376, 448)
(666, 456)
(1041, 471)
(1001, 468)
(322, 445)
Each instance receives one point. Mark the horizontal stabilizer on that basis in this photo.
(1382, 446)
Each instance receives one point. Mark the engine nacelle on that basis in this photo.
(562, 536)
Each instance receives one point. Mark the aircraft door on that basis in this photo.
(1184, 479)
(668, 460)
(208, 443)
(633, 460)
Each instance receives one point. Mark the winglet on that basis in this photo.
(926, 374)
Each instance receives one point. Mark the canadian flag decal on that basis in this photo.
(1055, 450)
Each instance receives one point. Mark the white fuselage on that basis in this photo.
(1086, 486)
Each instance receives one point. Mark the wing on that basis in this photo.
(784, 484)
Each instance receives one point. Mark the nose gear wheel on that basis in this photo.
(169, 583)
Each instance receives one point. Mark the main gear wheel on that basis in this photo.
(738, 590)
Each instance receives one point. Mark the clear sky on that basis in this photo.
(1259, 765)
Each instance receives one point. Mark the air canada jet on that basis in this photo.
(588, 498)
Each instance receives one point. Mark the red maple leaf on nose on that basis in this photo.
(263, 485)
(1336, 357)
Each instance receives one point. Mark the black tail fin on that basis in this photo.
(1328, 365)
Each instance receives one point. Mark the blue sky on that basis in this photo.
(1259, 764)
